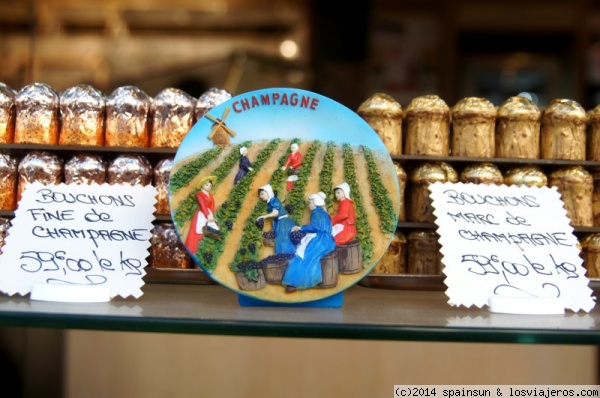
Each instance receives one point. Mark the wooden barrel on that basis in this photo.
(329, 267)
(349, 257)
(246, 284)
(269, 239)
(274, 272)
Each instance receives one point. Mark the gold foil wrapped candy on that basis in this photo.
(127, 112)
(427, 126)
(529, 176)
(402, 180)
(82, 114)
(576, 186)
(482, 173)
(172, 118)
(162, 170)
(419, 207)
(8, 182)
(596, 198)
(473, 128)
(393, 260)
(4, 226)
(39, 166)
(423, 256)
(7, 114)
(167, 250)
(209, 99)
(85, 169)
(593, 134)
(518, 129)
(384, 114)
(590, 252)
(130, 169)
(562, 132)
(37, 115)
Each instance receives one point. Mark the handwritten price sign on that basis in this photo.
(79, 235)
(508, 241)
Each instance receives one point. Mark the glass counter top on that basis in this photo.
(367, 313)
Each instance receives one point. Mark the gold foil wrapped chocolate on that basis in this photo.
(482, 173)
(393, 260)
(209, 99)
(127, 113)
(8, 181)
(384, 114)
(590, 252)
(402, 180)
(82, 114)
(7, 114)
(576, 186)
(423, 256)
(593, 134)
(473, 128)
(518, 129)
(172, 118)
(562, 132)
(162, 170)
(419, 208)
(529, 176)
(37, 115)
(427, 126)
(167, 250)
(130, 169)
(39, 166)
(4, 227)
(86, 169)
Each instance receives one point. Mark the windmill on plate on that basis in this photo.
(220, 132)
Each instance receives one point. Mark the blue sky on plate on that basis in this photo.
(289, 113)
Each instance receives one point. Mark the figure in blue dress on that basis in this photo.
(282, 223)
(244, 167)
(304, 270)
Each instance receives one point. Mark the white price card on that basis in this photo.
(509, 243)
(79, 235)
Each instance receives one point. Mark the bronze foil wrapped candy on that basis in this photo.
(423, 256)
(518, 129)
(167, 250)
(172, 118)
(127, 113)
(529, 176)
(590, 252)
(593, 134)
(473, 128)
(4, 227)
(402, 180)
(82, 114)
(419, 208)
(85, 169)
(384, 114)
(37, 115)
(427, 126)
(162, 170)
(8, 181)
(576, 186)
(209, 99)
(7, 114)
(130, 169)
(39, 166)
(393, 260)
(482, 173)
(562, 132)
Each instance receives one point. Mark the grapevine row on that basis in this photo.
(326, 174)
(295, 198)
(187, 172)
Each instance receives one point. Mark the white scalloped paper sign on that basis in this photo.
(83, 235)
(508, 241)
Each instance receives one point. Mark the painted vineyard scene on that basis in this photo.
(284, 195)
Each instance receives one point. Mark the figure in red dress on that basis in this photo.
(204, 216)
(293, 161)
(344, 222)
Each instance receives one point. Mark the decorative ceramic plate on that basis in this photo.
(284, 195)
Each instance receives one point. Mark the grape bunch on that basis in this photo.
(207, 256)
(289, 208)
(269, 234)
(252, 247)
(243, 251)
(229, 224)
(238, 204)
(224, 205)
(296, 237)
(247, 265)
(276, 258)
(260, 223)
